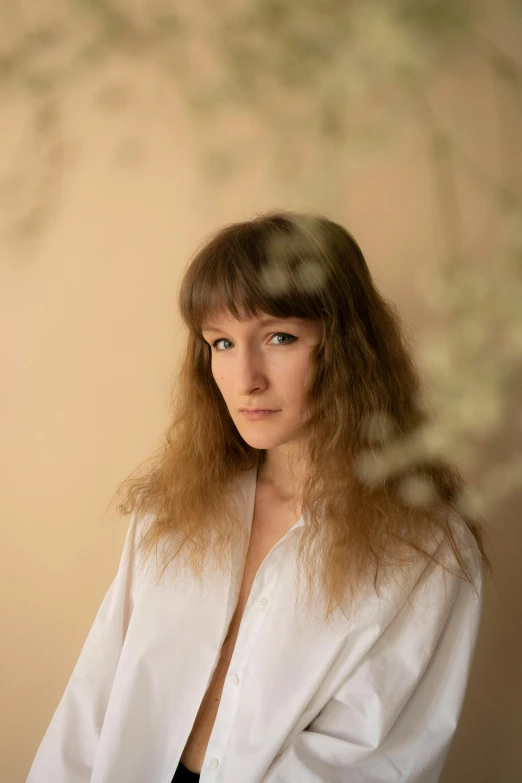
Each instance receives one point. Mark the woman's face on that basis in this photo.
(261, 365)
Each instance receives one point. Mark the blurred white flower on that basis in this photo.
(417, 490)
(377, 427)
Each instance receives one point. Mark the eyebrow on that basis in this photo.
(262, 322)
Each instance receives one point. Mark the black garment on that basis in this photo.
(184, 775)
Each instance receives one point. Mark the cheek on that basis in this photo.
(293, 378)
(220, 381)
(215, 376)
(307, 374)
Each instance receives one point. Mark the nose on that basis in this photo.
(250, 371)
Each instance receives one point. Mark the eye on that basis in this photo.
(276, 334)
(214, 344)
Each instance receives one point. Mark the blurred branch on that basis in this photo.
(441, 155)
(340, 72)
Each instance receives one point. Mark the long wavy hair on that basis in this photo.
(302, 265)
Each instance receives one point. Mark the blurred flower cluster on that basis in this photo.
(473, 360)
(342, 74)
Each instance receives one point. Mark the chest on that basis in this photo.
(271, 522)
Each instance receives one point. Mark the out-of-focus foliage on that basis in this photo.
(341, 74)
(473, 362)
(332, 73)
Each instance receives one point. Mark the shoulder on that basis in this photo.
(135, 557)
(465, 543)
(453, 569)
(450, 563)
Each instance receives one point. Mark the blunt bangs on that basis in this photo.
(252, 268)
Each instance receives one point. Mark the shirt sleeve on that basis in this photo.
(393, 718)
(67, 751)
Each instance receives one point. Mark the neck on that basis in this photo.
(281, 476)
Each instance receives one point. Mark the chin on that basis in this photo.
(262, 440)
(261, 443)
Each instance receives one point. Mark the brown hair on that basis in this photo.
(307, 266)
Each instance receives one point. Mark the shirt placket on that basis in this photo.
(254, 616)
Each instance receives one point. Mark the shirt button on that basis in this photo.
(213, 763)
(262, 603)
(233, 679)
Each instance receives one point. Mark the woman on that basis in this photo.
(203, 662)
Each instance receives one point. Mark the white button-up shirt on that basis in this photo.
(368, 700)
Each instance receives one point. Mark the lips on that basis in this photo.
(253, 415)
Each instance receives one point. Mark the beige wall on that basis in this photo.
(89, 336)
